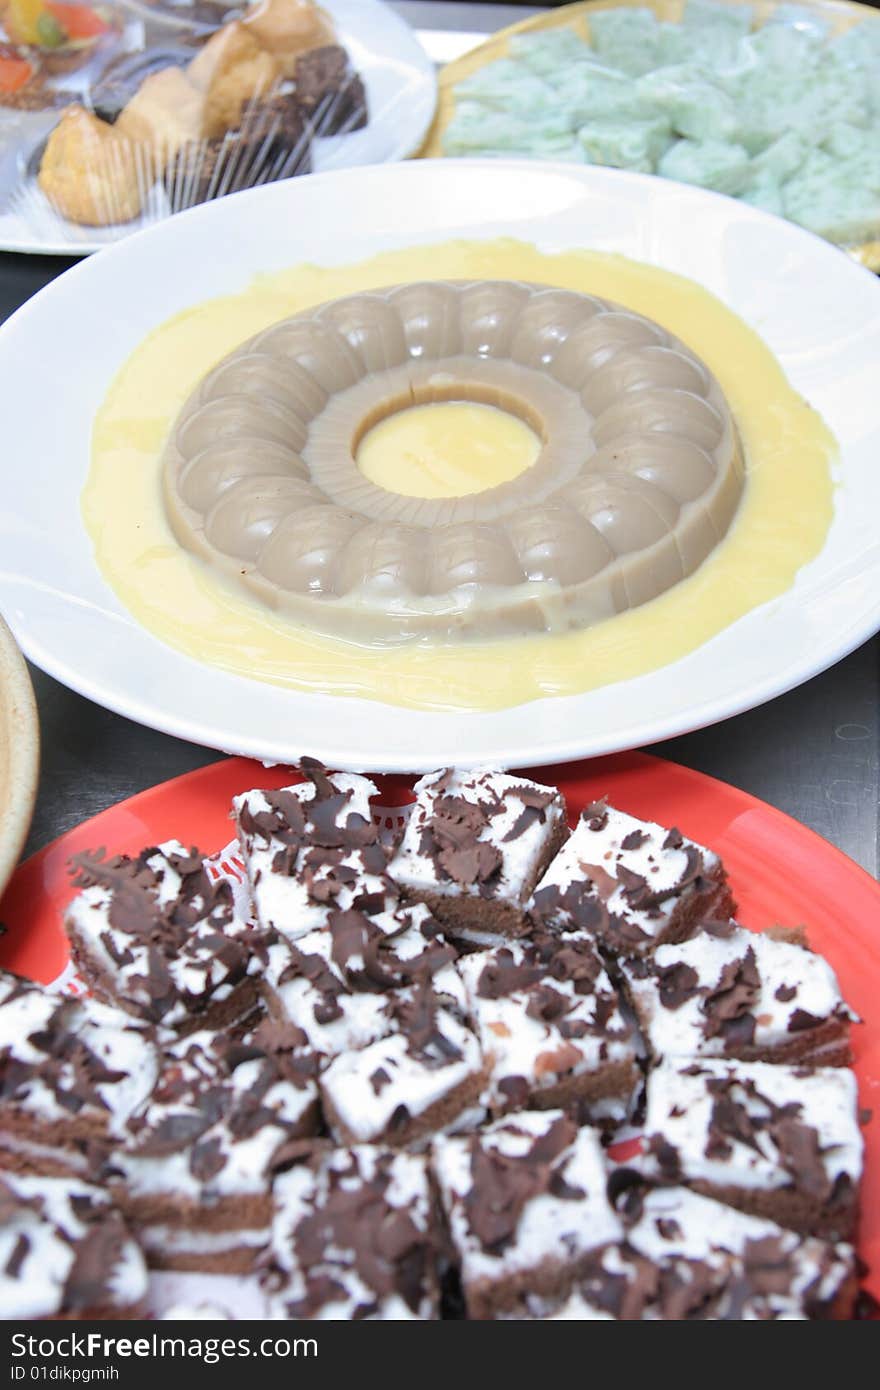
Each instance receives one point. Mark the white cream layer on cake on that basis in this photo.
(718, 993)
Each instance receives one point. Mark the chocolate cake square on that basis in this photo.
(777, 1141)
(65, 1252)
(194, 1175)
(687, 1259)
(525, 1200)
(312, 849)
(426, 1075)
(475, 846)
(355, 1234)
(714, 1262)
(157, 937)
(71, 1073)
(732, 993)
(630, 883)
(550, 1024)
(338, 983)
(329, 89)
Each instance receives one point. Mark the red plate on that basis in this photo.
(780, 872)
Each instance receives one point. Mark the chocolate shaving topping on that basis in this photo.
(667, 1156)
(516, 1091)
(785, 993)
(626, 1193)
(503, 975)
(364, 959)
(179, 1130)
(768, 1265)
(277, 1036)
(96, 1256)
(728, 1007)
(85, 1206)
(641, 896)
(677, 984)
(475, 864)
(800, 1020)
(595, 816)
(535, 801)
(720, 929)
(451, 836)
(317, 775)
(294, 1151)
(597, 877)
(20, 1252)
(801, 1156)
(626, 1290)
(565, 1191)
(686, 1290)
(351, 1227)
(576, 908)
(379, 1079)
(418, 1016)
(207, 1160)
(668, 1228)
(634, 840)
(503, 1184)
(547, 1005)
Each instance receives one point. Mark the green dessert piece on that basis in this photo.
(709, 163)
(548, 54)
(633, 144)
(627, 39)
(694, 105)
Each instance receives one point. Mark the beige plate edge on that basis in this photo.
(19, 753)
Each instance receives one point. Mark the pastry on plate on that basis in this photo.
(156, 937)
(475, 846)
(728, 992)
(777, 1141)
(355, 1235)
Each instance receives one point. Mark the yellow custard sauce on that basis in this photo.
(447, 449)
(781, 523)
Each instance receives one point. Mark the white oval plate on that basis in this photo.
(401, 85)
(817, 310)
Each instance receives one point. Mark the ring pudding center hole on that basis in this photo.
(445, 448)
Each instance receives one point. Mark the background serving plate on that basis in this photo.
(19, 753)
(837, 15)
(817, 310)
(780, 872)
(401, 88)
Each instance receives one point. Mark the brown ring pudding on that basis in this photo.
(639, 473)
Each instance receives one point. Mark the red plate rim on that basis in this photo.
(780, 872)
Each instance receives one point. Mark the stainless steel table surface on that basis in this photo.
(813, 752)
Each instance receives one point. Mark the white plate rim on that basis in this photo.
(570, 715)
